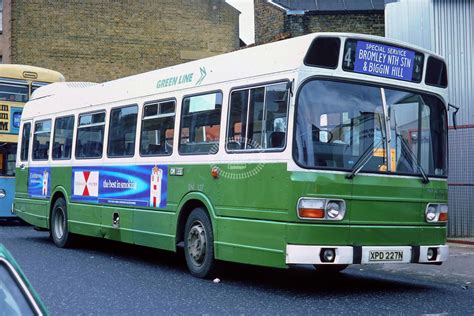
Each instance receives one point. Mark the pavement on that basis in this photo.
(461, 240)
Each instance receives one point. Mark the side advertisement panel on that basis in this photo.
(38, 182)
(144, 186)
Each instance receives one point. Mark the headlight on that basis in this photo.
(321, 209)
(2, 193)
(436, 213)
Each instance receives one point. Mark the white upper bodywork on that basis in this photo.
(267, 60)
(276, 62)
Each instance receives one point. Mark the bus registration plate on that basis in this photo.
(386, 255)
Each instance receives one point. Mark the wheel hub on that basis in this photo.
(59, 224)
(197, 243)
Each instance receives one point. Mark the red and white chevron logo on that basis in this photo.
(86, 183)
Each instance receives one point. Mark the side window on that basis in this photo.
(200, 124)
(7, 159)
(157, 128)
(41, 140)
(62, 139)
(258, 118)
(90, 135)
(122, 131)
(25, 142)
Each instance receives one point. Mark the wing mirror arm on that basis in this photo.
(456, 109)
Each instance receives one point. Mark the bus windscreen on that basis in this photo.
(382, 60)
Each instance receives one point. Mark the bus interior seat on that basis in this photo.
(154, 149)
(57, 150)
(201, 147)
(277, 139)
(129, 148)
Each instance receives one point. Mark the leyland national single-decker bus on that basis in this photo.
(327, 149)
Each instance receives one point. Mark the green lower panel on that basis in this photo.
(433, 235)
(155, 229)
(253, 242)
(250, 255)
(85, 219)
(124, 231)
(317, 234)
(33, 211)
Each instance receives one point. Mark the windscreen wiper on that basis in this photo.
(368, 153)
(410, 152)
(364, 159)
(413, 157)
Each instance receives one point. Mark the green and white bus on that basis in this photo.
(327, 149)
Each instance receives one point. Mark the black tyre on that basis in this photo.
(199, 244)
(330, 268)
(59, 228)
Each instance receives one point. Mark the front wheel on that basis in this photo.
(330, 268)
(199, 244)
(59, 228)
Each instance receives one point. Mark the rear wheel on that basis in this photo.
(199, 244)
(59, 228)
(330, 268)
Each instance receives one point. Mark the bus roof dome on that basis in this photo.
(59, 87)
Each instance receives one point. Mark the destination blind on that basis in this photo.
(382, 60)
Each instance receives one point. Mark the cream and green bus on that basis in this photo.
(327, 149)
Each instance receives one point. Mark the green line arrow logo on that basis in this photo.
(203, 75)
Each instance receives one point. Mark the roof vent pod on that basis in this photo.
(323, 52)
(58, 87)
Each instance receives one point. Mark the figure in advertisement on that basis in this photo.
(155, 186)
(45, 183)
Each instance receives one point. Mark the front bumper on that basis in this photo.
(303, 254)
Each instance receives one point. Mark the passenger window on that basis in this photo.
(258, 118)
(157, 128)
(25, 142)
(62, 141)
(200, 124)
(122, 131)
(90, 135)
(41, 140)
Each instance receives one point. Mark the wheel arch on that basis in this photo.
(58, 192)
(188, 203)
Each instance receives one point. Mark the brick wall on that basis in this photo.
(365, 23)
(272, 22)
(100, 40)
(269, 22)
